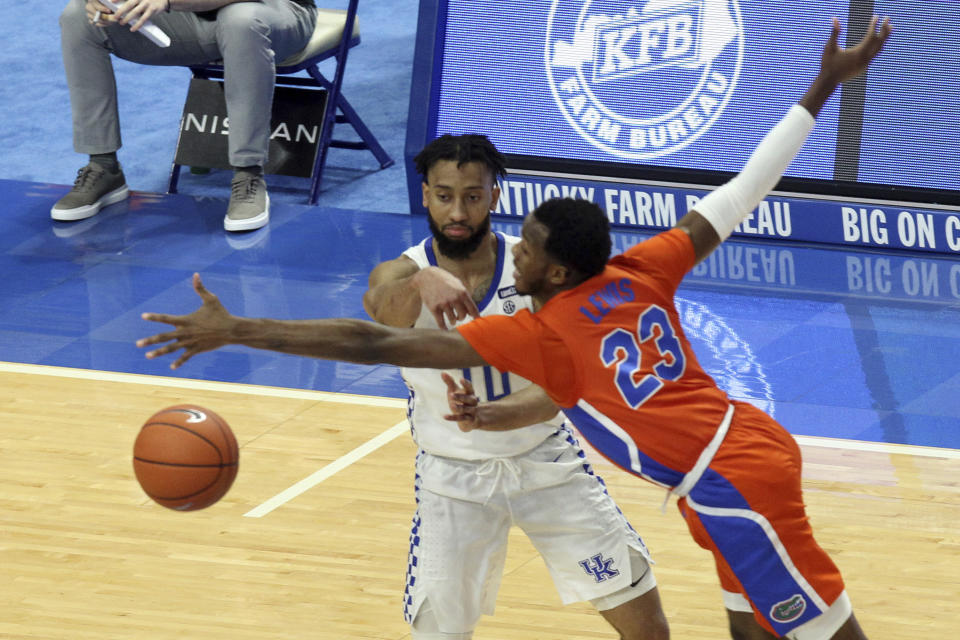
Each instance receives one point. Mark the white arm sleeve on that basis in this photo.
(728, 205)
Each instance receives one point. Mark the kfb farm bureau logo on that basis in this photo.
(642, 80)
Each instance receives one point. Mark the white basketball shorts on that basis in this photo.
(458, 542)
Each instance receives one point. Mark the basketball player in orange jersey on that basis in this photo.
(606, 345)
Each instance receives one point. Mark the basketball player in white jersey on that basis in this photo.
(471, 487)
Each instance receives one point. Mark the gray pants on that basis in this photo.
(247, 36)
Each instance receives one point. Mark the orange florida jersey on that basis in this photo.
(611, 352)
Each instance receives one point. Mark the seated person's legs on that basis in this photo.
(246, 35)
(251, 36)
(96, 124)
(87, 50)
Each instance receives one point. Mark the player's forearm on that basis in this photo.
(331, 339)
(818, 93)
(357, 341)
(528, 406)
(725, 207)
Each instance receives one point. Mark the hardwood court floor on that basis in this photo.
(84, 554)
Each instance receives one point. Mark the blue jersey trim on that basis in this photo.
(495, 283)
(428, 249)
(616, 451)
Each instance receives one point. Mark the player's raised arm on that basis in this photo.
(212, 326)
(713, 219)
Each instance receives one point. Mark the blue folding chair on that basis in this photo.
(335, 33)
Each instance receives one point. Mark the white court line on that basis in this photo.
(385, 437)
(401, 427)
(201, 385)
(233, 387)
(322, 474)
(878, 447)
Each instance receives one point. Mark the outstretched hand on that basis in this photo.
(206, 329)
(839, 64)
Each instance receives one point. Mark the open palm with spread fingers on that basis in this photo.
(841, 64)
(205, 329)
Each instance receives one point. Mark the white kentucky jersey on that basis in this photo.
(428, 394)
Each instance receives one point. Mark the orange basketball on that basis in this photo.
(185, 457)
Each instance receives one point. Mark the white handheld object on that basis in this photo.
(153, 33)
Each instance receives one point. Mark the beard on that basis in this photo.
(459, 249)
(527, 289)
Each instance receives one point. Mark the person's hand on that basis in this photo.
(98, 14)
(463, 403)
(207, 328)
(445, 296)
(840, 65)
(137, 12)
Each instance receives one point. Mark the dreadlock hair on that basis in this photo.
(579, 235)
(470, 147)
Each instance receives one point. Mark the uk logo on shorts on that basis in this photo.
(682, 56)
(599, 567)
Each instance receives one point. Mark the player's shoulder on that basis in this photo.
(669, 241)
(664, 258)
(420, 253)
(666, 250)
(402, 266)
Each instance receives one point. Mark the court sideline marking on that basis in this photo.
(201, 385)
(390, 434)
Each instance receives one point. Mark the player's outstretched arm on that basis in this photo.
(212, 326)
(713, 219)
(530, 405)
